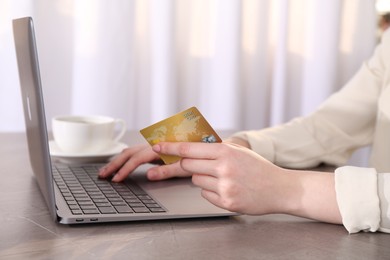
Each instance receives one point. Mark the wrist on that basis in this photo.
(290, 192)
(310, 194)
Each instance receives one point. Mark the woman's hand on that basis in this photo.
(130, 158)
(231, 176)
(237, 179)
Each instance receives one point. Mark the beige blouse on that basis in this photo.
(357, 115)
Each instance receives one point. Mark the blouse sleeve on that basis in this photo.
(363, 198)
(342, 124)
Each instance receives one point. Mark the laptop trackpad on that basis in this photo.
(177, 195)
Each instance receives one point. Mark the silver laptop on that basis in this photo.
(74, 194)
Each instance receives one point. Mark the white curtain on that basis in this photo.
(244, 63)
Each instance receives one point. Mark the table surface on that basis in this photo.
(27, 231)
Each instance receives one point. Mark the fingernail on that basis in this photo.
(156, 148)
(152, 175)
(101, 171)
(115, 178)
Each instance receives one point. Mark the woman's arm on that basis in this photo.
(237, 179)
(343, 123)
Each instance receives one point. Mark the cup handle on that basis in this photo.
(122, 131)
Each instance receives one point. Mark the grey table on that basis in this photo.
(27, 232)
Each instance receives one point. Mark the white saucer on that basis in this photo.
(102, 156)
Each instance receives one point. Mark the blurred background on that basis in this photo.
(246, 64)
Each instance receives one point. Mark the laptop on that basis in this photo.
(73, 192)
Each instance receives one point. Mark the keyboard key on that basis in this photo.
(118, 198)
(91, 211)
(144, 197)
(136, 205)
(87, 207)
(148, 201)
(118, 203)
(152, 205)
(123, 209)
(86, 203)
(103, 204)
(107, 210)
(141, 210)
(155, 210)
(103, 200)
(132, 200)
(77, 212)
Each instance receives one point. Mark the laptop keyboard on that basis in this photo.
(85, 193)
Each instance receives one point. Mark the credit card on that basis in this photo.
(186, 126)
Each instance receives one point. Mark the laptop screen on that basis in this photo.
(30, 83)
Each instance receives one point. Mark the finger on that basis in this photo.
(205, 182)
(212, 197)
(188, 149)
(115, 163)
(137, 159)
(201, 166)
(127, 154)
(213, 191)
(166, 171)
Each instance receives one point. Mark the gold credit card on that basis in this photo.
(186, 126)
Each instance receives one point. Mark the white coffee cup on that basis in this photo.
(86, 134)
